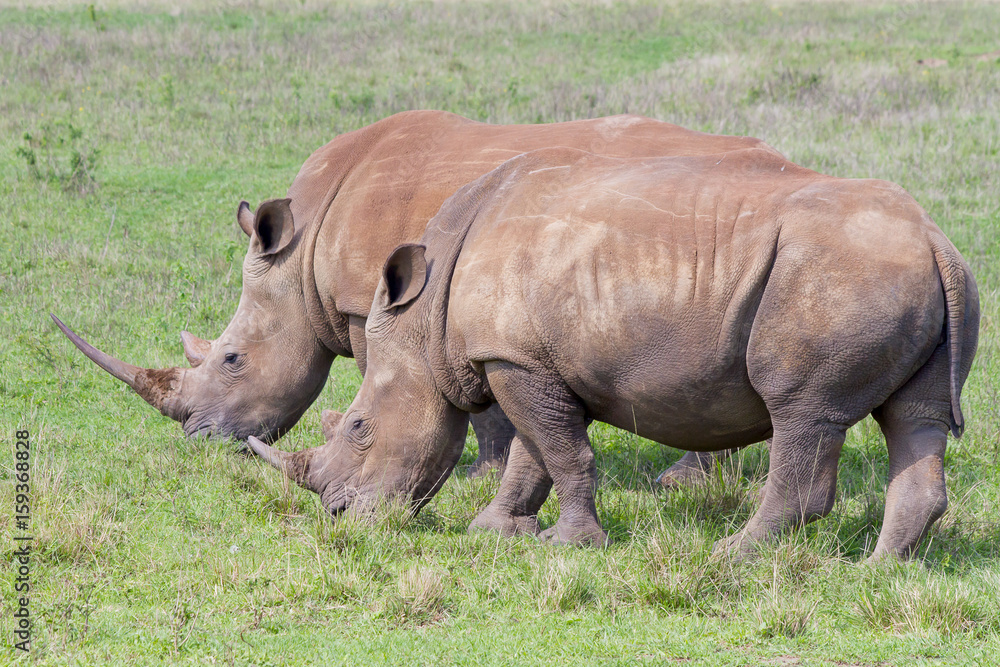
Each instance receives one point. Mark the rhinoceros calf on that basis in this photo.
(313, 263)
(703, 302)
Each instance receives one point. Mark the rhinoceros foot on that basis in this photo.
(584, 536)
(736, 547)
(692, 469)
(494, 433)
(682, 475)
(485, 467)
(507, 525)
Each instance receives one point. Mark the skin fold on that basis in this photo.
(704, 302)
(313, 264)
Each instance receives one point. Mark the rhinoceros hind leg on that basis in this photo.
(552, 420)
(523, 489)
(801, 483)
(916, 496)
(494, 433)
(915, 421)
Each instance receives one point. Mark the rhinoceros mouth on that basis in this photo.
(336, 503)
(336, 510)
(197, 424)
(196, 427)
(206, 431)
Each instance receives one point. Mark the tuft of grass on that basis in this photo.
(562, 584)
(782, 608)
(903, 599)
(680, 569)
(420, 596)
(783, 613)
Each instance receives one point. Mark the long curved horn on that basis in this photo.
(155, 386)
(294, 465)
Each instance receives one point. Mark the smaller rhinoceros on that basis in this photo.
(313, 263)
(702, 302)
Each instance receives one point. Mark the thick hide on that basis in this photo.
(704, 302)
(314, 259)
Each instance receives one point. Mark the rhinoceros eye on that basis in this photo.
(231, 357)
(359, 431)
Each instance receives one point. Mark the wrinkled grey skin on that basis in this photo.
(313, 264)
(705, 303)
(211, 397)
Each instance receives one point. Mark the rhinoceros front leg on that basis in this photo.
(801, 482)
(494, 433)
(523, 489)
(552, 428)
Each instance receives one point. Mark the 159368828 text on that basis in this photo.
(21, 559)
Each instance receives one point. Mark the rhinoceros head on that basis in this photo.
(266, 368)
(400, 438)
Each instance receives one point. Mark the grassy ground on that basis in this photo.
(128, 136)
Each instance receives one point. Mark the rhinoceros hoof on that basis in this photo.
(507, 525)
(575, 535)
(484, 467)
(681, 476)
(737, 547)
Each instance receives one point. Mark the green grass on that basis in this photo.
(149, 125)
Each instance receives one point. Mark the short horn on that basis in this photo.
(294, 465)
(155, 386)
(330, 420)
(195, 349)
(275, 457)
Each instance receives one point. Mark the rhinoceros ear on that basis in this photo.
(404, 273)
(273, 226)
(244, 216)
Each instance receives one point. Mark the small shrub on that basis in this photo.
(57, 154)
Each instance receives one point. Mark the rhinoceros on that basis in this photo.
(703, 302)
(314, 258)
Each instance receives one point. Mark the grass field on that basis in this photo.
(128, 137)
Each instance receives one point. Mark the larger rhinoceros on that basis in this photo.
(703, 302)
(314, 258)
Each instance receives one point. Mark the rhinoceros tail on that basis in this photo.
(953, 280)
